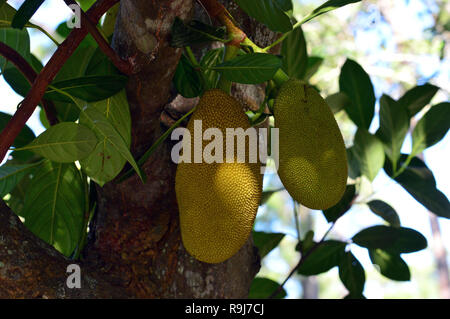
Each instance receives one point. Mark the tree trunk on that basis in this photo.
(135, 248)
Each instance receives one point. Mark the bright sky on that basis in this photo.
(411, 21)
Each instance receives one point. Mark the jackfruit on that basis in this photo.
(217, 201)
(312, 155)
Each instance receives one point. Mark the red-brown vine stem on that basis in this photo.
(25, 68)
(123, 66)
(45, 77)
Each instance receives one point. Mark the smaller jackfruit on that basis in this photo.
(217, 202)
(312, 155)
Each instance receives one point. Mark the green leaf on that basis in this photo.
(352, 274)
(385, 211)
(390, 265)
(267, 12)
(76, 65)
(295, 56)
(431, 128)
(314, 63)
(333, 213)
(337, 101)
(419, 181)
(353, 165)
(356, 84)
(100, 64)
(369, 152)
(306, 243)
(267, 194)
(328, 6)
(394, 240)
(194, 32)
(88, 88)
(416, 98)
(187, 79)
(326, 256)
(285, 5)
(25, 12)
(64, 142)
(394, 125)
(54, 205)
(110, 120)
(210, 59)
(19, 40)
(11, 175)
(262, 288)
(265, 242)
(25, 136)
(250, 68)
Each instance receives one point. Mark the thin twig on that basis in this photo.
(46, 76)
(302, 260)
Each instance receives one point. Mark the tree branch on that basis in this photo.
(46, 76)
(25, 68)
(30, 268)
(123, 66)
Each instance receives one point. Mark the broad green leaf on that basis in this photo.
(25, 136)
(314, 63)
(17, 80)
(385, 211)
(354, 170)
(326, 256)
(390, 265)
(64, 142)
(11, 175)
(419, 181)
(25, 12)
(194, 32)
(66, 112)
(416, 98)
(267, 194)
(267, 12)
(395, 240)
(19, 40)
(210, 59)
(111, 122)
(187, 79)
(356, 84)
(76, 65)
(333, 213)
(431, 128)
(352, 274)
(394, 125)
(306, 243)
(295, 56)
(250, 68)
(100, 64)
(16, 198)
(337, 101)
(89, 88)
(328, 6)
(265, 242)
(54, 205)
(285, 5)
(262, 288)
(7, 14)
(369, 152)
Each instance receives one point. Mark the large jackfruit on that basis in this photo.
(312, 155)
(218, 201)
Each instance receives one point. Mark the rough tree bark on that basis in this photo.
(135, 249)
